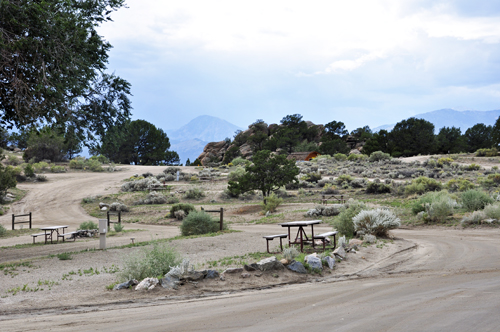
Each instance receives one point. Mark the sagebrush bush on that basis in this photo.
(377, 188)
(152, 261)
(375, 222)
(172, 200)
(3, 231)
(154, 198)
(312, 177)
(459, 184)
(236, 174)
(187, 208)
(475, 217)
(197, 223)
(88, 225)
(343, 222)
(340, 157)
(171, 170)
(473, 167)
(379, 155)
(77, 163)
(440, 208)
(57, 169)
(141, 185)
(421, 185)
(41, 178)
(240, 161)
(429, 198)
(473, 200)
(290, 253)
(487, 152)
(194, 193)
(28, 171)
(119, 207)
(329, 189)
(272, 203)
(118, 227)
(492, 211)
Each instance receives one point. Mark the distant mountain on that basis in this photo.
(206, 128)
(189, 140)
(452, 118)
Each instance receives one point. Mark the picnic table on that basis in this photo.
(301, 236)
(49, 232)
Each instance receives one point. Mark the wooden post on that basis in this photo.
(119, 217)
(221, 218)
(30, 223)
(107, 214)
(13, 218)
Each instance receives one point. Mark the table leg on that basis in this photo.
(312, 232)
(301, 230)
(289, 238)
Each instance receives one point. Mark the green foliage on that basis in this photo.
(268, 173)
(7, 178)
(473, 167)
(272, 203)
(155, 260)
(54, 53)
(118, 227)
(377, 188)
(340, 157)
(444, 161)
(343, 222)
(332, 147)
(194, 193)
(39, 167)
(493, 152)
(422, 185)
(473, 200)
(412, 137)
(437, 205)
(492, 211)
(64, 256)
(306, 146)
(231, 153)
(196, 162)
(343, 179)
(45, 144)
(100, 158)
(94, 165)
(236, 174)
(479, 137)
(28, 171)
(450, 140)
(492, 180)
(240, 161)
(88, 225)
(3, 231)
(379, 155)
(375, 222)
(459, 184)
(199, 223)
(187, 208)
(313, 177)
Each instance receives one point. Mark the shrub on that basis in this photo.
(440, 208)
(41, 178)
(377, 188)
(154, 198)
(240, 161)
(13, 160)
(342, 179)
(194, 193)
(179, 215)
(93, 165)
(152, 261)
(473, 167)
(313, 177)
(343, 222)
(444, 161)
(272, 203)
(329, 189)
(41, 166)
(28, 171)
(375, 222)
(428, 199)
(475, 217)
(117, 206)
(141, 185)
(340, 157)
(236, 174)
(379, 155)
(290, 253)
(100, 158)
(187, 208)
(172, 200)
(57, 169)
(64, 256)
(198, 223)
(492, 211)
(3, 231)
(422, 185)
(487, 152)
(77, 163)
(118, 227)
(473, 200)
(171, 170)
(459, 184)
(88, 225)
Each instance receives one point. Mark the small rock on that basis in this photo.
(357, 242)
(147, 283)
(340, 252)
(329, 261)
(314, 262)
(222, 277)
(193, 275)
(212, 274)
(270, 263)
(284, 261)
(233, 270)
(353, 251)
(249, 268)
(245, 275)
(296, 267)
(268, 214)
(259, 274)
(104, 208)
(125, 285)
(170, 282)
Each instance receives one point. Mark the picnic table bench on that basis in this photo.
(72, 235)
(39, 234)
(272, 237)
(324, 236)
(49, 232)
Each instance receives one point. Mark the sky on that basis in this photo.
(360, 62)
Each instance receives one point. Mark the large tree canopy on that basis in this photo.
(412, 136)
(52, 64)
(138, 142)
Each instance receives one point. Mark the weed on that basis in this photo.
(64, 256)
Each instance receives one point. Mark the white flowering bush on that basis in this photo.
(375, 222)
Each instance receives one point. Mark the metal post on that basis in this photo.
(221, 218)
(102, 233)
(13, 218)
(177, 176)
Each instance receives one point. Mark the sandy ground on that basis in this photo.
(426, 279)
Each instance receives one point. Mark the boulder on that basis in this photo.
(233, 270)
(212, 274)
(193, 275)
(249, 268)
(296, 267)
(357, 242)
(125, 285)
(284, 261)
(340, 251)
(269, 264)
(329, 261)
(314, 262)
(170, 282)
(148, 283)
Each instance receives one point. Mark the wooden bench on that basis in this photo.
(39, 234)
(69, 233)
(323, 237)
(272, 237)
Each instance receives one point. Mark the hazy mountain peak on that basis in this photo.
(206, 128)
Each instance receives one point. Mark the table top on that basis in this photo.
(53, 227)
(300, 223)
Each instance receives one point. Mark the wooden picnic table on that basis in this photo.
(301, 236)
(49, 232)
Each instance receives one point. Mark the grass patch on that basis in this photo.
(19, 232)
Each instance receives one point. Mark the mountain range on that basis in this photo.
(189, 140)
(451, 118)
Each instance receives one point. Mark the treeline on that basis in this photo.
(138, 142)
(408, 138)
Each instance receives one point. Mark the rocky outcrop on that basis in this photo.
(213, 152)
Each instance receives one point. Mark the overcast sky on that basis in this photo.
(361, 62)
